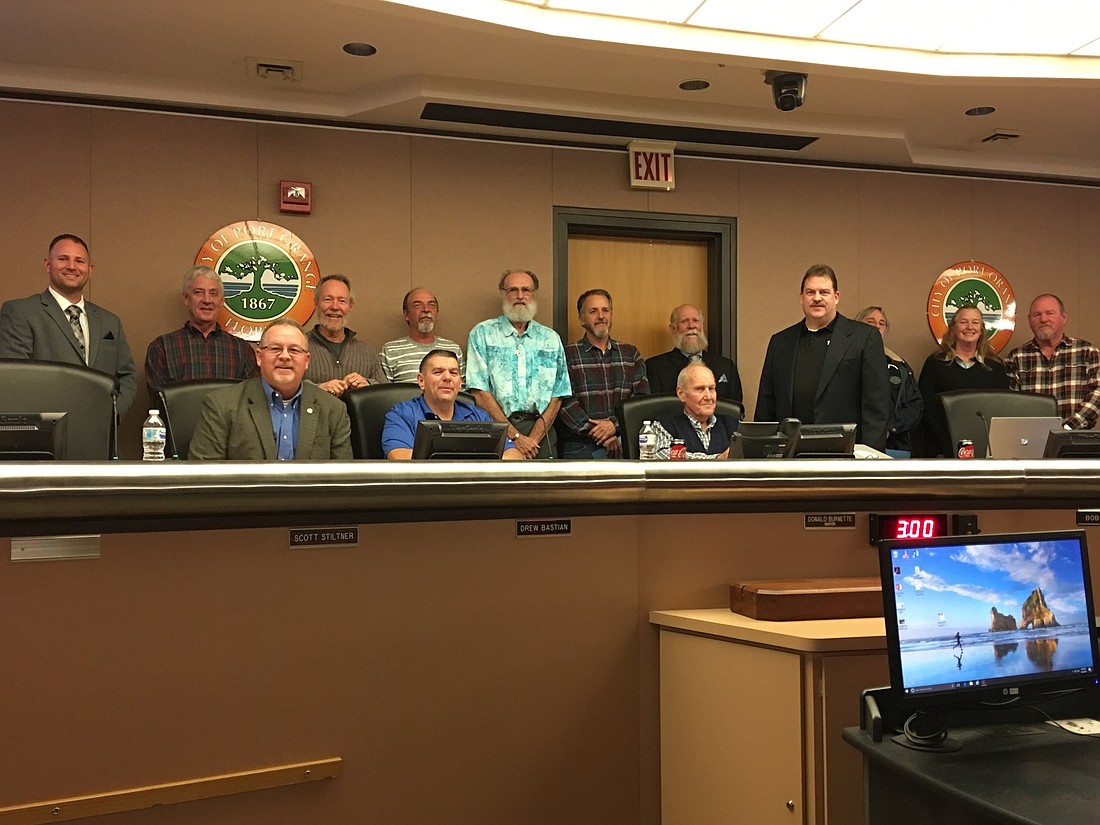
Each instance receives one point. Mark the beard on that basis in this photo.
(599, 333)
(693, 346)
(425, 325)
(520, 313)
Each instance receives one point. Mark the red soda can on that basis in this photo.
(965, 448)
(677, 451)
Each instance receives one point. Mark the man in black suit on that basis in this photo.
(826, 369)
(60, 325)
(689, 346)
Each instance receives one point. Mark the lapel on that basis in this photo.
(307, 423)
(261, 419)
(54, 313)
(95, 330)
(841, 340)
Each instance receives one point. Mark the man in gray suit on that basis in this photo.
(59, 325)
(277, 416)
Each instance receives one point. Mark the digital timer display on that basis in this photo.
(907, 526)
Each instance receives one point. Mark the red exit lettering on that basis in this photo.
(652, 166)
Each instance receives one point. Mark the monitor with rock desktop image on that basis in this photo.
(988, 618)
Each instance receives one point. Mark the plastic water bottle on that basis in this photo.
(647, 442)
(153, 437)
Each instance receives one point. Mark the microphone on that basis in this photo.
(985, 421)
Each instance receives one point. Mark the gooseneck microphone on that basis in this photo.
(985, 421)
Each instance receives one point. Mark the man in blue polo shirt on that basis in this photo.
(441, 379)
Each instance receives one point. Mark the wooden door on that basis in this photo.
(646, 277)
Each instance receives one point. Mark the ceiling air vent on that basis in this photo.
(999, 137)
(275, 69)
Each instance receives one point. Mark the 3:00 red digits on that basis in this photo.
(916, 528)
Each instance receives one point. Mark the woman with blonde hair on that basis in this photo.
(964, 361)
(907, 401)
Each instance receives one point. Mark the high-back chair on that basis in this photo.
(181, 408)
(968, 412)
(86, 396)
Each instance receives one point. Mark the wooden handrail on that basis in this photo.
(168, 793)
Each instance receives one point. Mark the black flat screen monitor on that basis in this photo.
(765, 439)
(33, 436)
(1073, 444)
(987, 618)
(460, 440)
(826, 441)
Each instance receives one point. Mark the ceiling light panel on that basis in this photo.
(1025, 27)
(664, 11)
(792, 18)
(905, 24)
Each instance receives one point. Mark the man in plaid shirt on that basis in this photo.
(603, 372)
(201, 348)
(1056, 364)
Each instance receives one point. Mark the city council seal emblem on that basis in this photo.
(266, 273)
(980, 285)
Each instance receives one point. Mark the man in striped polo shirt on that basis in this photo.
(401, 358)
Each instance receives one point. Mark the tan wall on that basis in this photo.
(397, 211)
(464, 675)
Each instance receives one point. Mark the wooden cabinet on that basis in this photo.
(751, 714)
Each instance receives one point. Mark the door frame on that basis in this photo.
(719, 234)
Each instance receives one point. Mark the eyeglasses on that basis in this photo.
(519, 290)
(293, 352)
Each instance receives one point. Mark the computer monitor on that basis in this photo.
(1073, 444)
(765, 439)
(826, 441)
(460, 440)
(987, 618)
(33, 436)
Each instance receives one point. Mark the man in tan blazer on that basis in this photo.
(277, 416)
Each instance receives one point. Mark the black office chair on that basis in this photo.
(367, 408)
(967, 412)
(181, 408)
(635, 411)
(86, 396)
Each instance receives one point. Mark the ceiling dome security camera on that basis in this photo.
(788, 89)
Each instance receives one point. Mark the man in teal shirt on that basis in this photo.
(516, 368)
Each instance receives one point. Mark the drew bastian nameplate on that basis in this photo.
(830, 521)
(302, 538)
(544, 527)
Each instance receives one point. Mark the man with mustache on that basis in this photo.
(1056, 364)
(604, 372)
(339, 361)
(401, 358)
(201, 348)
(689, 346)
(517, 369)
(826, 369)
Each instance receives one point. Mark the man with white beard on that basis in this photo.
(517, 370)
(401, 358)
(689, 346)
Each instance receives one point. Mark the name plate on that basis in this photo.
(1088, 518)
(302, 538)
(544, 527)
(830, 521)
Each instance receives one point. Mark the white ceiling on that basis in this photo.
(196, 55)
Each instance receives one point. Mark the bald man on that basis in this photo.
(689, 346)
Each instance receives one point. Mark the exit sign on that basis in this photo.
(652, 164)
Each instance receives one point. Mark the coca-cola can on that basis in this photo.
(965, 448)
(677, 451)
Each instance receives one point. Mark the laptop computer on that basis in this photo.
(1024, 437)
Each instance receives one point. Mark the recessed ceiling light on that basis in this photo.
(980, 111)
(695, 85)
(360, 49)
